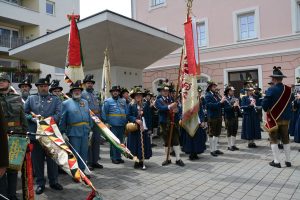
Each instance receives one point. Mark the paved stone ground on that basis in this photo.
(243, 174)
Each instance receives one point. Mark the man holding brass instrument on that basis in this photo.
(214, 105)
(15, 121)
(231, 111)
(277, 104)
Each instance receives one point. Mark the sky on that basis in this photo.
(90, 7)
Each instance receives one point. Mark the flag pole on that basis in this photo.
(172, 114)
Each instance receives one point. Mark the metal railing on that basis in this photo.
(12, 42)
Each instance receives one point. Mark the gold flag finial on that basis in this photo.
(189, 5)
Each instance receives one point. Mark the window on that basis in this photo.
(201, 34)
(50, 7)
(157, 2)
(246, 23)
(14, 1)
(8, 37)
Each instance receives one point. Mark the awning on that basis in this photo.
(131, 43)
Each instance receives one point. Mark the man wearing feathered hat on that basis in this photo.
(231, 113)
(25, 87)
(125, 94)
(43, 104)
(56, 89)
(277, 104)
(94, 104)
(165, 105)
(76, 123)
(214, 104)
(114, 114)
(14, 119)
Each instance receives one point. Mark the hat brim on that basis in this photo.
(133, 94)
(38, 84)
(20, 85)
(71, 90)
(111, 90)
(278, 76)
(55, 88)
(89, 81)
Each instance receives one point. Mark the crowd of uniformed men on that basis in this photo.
(150, 113)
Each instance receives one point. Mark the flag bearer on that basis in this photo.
(165, 105)
(43, 104)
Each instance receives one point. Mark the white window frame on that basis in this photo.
(53, 4)
(295, 12)
(297, 74)
(236, 24)
(205, 21)
(245, 68)
(152, 7)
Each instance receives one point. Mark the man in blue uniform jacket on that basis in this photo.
(76, 123)
(114, 114)
(278, 98)
(43, 105)
(166, 105)
(214, 106)
(94, 104)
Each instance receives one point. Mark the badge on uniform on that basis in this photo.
(49, 100)
(81, 104)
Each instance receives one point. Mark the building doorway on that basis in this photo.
(237, 79)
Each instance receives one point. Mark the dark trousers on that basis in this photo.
(118, 131)
(214, 127)
(8, 184)
(232, 125)
(94, 148)
(165, 128)
(280, 132)
(38, 160)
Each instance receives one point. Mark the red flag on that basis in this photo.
(74, 60)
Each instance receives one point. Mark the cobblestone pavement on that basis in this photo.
(243, 174)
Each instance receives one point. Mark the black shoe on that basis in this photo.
(115, 161)
(180, 163)
(235, 148)
(218, 152)
(56, 186)
(280, 146)
(196, 157)
(230, 148)
(166, 162)
(288, 164)
(136, 165)
(153, 145)
(97, 165)
(191, 157)
(173, 153)
(91, 168)
(252, 145)
(213, 154)
(273, 164)
(121, 161)
(39, 190)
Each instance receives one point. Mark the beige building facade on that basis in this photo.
(22, 21)
(237, 39)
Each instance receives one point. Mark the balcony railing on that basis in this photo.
(12, 42)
